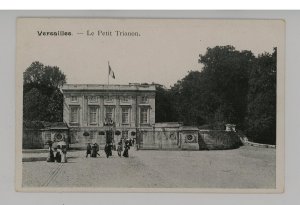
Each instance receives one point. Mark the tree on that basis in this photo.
(42, 99)
(225, 83)
(44, 78)
(187, 98)
(164, 110)
(34, 103)
(261, 110)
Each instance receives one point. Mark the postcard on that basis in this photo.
(150, 105)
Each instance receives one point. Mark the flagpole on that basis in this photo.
(108, 74)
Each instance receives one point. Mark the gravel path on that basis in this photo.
(246, 167)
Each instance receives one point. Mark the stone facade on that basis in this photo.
(95, 112)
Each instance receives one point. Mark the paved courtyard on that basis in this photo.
(246, 167)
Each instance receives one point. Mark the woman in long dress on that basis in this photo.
(64, 155)
(126, 148)
(63, 152)
(50, 157)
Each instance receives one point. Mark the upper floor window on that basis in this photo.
(74, 99)
(144, 115)
(109, 113)
(93, 115)
(74, 114)
(125, 115)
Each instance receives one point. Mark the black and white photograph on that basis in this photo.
(150, 105)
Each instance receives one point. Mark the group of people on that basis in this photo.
(93, 149)
(126, 148)
(57, 154)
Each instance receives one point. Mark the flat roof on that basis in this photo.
(105, 87)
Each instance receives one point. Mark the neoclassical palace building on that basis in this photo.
(107, 113)
(100, 113)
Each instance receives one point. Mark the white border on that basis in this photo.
(7, 117)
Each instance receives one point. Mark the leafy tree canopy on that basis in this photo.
(42, 99)
(43, 77)
(261, 109)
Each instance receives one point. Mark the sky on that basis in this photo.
(163, 51)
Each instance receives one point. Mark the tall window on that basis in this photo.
(125, 115)
(144, 115)
(109, 113)
(93, 115)
(124, 134)
(74, 114)
(93, 135)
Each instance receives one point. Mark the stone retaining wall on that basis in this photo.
(188, 139)
(218, 140)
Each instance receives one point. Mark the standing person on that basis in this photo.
(58, 154)
(88, 150)
(94, 151)
(107, 150)
(120, 148)
(130, 142)
(110, 149)
(64, 153)
(126, 148)
(133, 141)
(97, 149)
(114, 147)
(50, 157)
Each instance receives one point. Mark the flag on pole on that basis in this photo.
(111, 72)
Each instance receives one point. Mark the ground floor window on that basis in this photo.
(124, 134)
